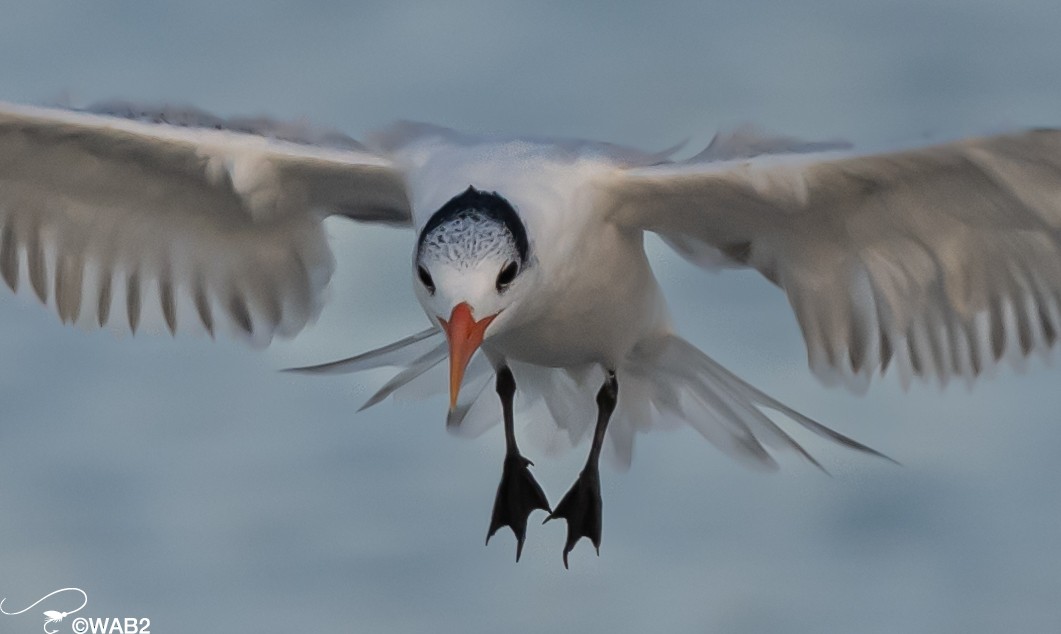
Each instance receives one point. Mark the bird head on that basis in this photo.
(468, 269)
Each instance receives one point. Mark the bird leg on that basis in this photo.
(518, 494)
(581, 507)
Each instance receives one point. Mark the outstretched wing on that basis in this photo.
(941, 259)
(217, 221)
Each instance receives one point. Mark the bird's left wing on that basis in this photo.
(943, 259)
(201, 217)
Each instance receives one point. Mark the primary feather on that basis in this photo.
(942, 259)
(101, 209)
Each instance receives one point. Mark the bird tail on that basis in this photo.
(415, 355)
(419, 358)
(665, 381)
(668, 379)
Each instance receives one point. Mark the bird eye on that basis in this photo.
(507, 274)
(425, 279)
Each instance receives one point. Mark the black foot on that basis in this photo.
(517, 497)
(581, 507)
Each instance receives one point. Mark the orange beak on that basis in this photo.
(465, 336)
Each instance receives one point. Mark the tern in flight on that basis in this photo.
(530, 264)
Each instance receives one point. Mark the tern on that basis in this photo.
(529, 261)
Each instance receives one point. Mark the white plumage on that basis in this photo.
(939, 260)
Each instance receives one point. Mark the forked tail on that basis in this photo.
(664, 381)
(680, 381)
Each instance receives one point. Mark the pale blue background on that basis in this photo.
(189, 482)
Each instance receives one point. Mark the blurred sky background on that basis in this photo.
(189, 482)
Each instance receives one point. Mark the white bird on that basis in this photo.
(940, 260)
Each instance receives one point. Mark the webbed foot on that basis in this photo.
(581, 507)
(518, 495)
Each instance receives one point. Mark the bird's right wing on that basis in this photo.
(942, 258)
(100, 214)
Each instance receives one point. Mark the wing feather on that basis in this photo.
(190, 214)
(943, 259)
